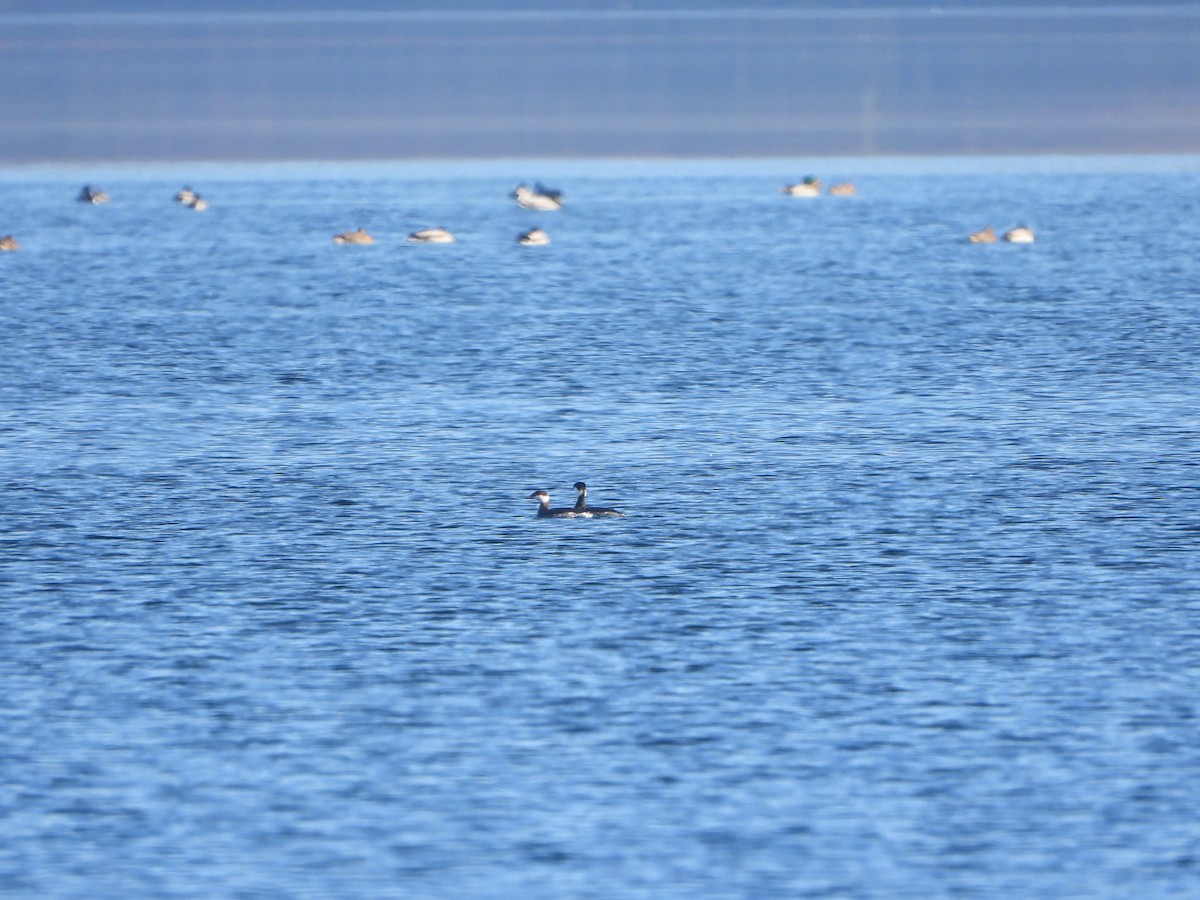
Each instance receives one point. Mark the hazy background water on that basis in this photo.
(215, 79)
(905, 602)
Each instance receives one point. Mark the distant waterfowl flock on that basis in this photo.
(537, 198)
(542, 199)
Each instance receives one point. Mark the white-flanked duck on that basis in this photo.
(545, 512)
(198, 203)
(185, 196)
(1020, 235)
(534, 237)
(538, 197)
(809, 187)
(594, 512)
(353, 237)
(431, 236)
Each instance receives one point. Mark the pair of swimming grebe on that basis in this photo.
(580, 510)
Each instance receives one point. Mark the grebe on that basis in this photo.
(1020, 235)
(8, 242)
(984, 236)
(809, 187)
(90, 195)
(539, 197)
(431, 236)
(582, 508)
(534, 237)
(353, 237)
(544, 510)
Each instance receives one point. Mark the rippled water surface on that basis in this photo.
(906, 601)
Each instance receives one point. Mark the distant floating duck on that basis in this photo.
(845, 189)
(534, 237)
(431, 236)
(539, 197)
(90, 195)
(353, 237)
(185, 196)
(1020, 235)
(984, 236)
(8, 242)
(545, 512)
(809, 187)
(198, 203)
(593, 512)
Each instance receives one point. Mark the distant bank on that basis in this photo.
(770, 82)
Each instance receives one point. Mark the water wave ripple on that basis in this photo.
(904, 604)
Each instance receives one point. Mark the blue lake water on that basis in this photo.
(906, 601)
